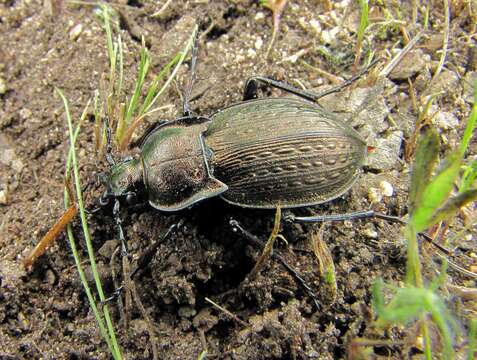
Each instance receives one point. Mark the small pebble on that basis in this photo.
(374, 195)
(259, 16)
(25, 113)
(258, 43)
(3, 197)
(370, 233)
(410, 65)
(76, 32)
(3, 86)
(386, 153)
(187, 312)
(251, 53)
(315, 24)
(386, 188)
(50, 277)
(7, 156)
(108, 248)
(329, 36)
(17, 165)
(445, 120)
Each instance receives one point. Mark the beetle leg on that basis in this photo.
(251, 86)
(255, 241)
(343, 217)
(146, 258)
(361, 215)
(117, 219)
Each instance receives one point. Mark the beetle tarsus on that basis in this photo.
(147, 256)
(116, 293)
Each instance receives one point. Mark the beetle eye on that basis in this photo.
(131, 198)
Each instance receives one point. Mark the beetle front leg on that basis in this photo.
(118, 221)
(146, 258)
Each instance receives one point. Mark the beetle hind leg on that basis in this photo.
(343, 217)
(298, 278)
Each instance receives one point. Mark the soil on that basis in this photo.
(44, 313)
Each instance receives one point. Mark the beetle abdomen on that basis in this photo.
(283, 152)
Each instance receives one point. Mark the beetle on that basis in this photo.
(258, 153)
(264, 153)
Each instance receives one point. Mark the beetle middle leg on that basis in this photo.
(251, 86)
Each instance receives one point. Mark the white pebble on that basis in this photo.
(386, 188)
(76, 32)
(3, 197)
(374, 195)
(315, 24)
(258, 43)
(259, 16)
(251, 53)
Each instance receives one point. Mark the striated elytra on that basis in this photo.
(260, 153)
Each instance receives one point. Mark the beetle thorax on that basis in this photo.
(175, 166)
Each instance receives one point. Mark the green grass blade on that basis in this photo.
(468, 178)
(472, 352)
(452, 206)
(469, 129)
(437, 192)
(413, 271)
(152, 91)
(121, 67)
(143, 70)
(364, 20)
(412, 303)
(113, 341)
(176, 68)
(426, 158)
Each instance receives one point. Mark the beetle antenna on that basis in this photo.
(109, 146)
(188, 90)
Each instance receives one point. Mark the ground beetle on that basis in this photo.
(258, 153)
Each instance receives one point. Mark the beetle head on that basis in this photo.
(121, 179)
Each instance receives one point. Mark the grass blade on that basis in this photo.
(436, 192)
(470, 173)
(469, 129)
(109, 336)
(452, 206)
(143, 70)
(426, 159)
